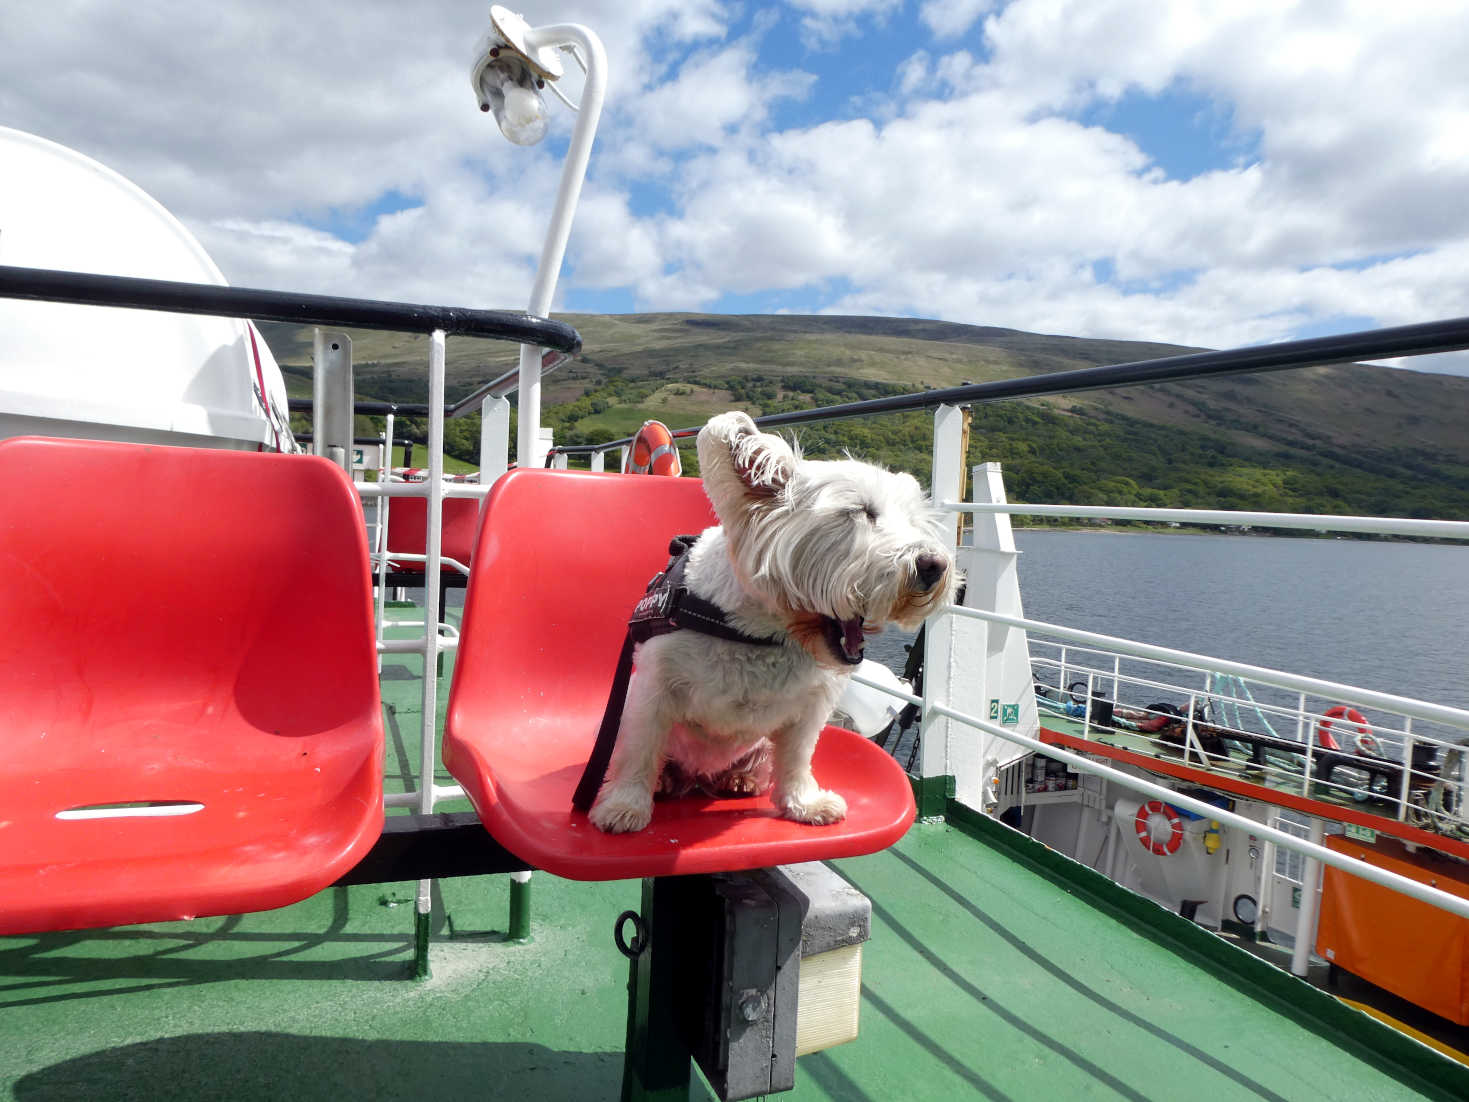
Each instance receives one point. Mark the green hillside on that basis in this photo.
(1344, 439)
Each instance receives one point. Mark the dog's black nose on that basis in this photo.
(929, 569)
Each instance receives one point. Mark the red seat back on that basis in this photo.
(408, 531)
(183, 627)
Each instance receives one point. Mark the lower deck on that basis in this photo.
(990, 973)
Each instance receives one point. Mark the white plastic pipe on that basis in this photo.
(1311, 522)
(1443, 900)
(573, 173)
(1418, 709)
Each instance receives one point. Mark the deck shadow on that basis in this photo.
(38, 969)
(201, 1067)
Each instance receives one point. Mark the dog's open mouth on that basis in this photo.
(845, 638)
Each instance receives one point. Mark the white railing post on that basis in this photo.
(990, 662)
(1407, 769)
(599, 461)
(1300, 958)
(938, 671)
(432, 565)
(1310, 743)
(494, 439)
(1086, 709)
(332, 398)
(1190, 739)
(384, 505)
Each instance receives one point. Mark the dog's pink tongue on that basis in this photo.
(853, 639)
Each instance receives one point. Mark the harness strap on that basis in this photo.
(666, 607)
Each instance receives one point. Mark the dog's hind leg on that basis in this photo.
(625, 802)
(796, 792)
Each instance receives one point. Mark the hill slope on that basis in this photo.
(1350, 438)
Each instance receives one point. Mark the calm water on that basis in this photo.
(1387, 616)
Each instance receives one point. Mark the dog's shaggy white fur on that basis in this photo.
(816, 553)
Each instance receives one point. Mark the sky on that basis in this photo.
(1189, 171)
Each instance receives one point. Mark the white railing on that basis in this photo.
(1419, 709)
(1310, 522)
(1415, 772)
(947, 461)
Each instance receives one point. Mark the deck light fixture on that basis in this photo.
(514, 64)
(509, 70)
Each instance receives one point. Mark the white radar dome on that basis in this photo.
(119, 374)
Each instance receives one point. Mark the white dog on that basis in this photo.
(812, 554)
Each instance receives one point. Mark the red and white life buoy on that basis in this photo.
(653, 451)
(1151, 815)
(1366, 743)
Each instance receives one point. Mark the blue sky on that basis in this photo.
(1191, 172)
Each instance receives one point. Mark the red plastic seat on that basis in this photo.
(562, 558)
(407, 520)
(182, 627)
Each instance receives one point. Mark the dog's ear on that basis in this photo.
(738, 462)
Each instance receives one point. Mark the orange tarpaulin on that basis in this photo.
(1402, 945)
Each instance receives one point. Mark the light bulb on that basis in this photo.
(518, 107)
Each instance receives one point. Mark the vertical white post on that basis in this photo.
(599, 461)
(1266, 885)
(1310, 741)
(573, 173)
(384, 505)
(433, 564)
(1300, 957)
(332, 397)
(948, 466)
(1407, 768)
(991, 662)
(494, 439)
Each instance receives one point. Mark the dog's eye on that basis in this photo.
(870, 513)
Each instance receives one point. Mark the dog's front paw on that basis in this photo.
(621, 812)
(819, 808)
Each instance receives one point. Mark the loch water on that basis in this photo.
(1381, 615)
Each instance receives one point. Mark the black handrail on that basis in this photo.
(1402, 340)
(89, 289)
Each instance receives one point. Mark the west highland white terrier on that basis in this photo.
(813, 555)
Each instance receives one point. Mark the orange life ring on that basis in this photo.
(1365, 741)
(653, 451)
(1144, 823)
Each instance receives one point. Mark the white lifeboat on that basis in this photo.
(119, 374)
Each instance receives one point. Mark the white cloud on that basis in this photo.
(712, 94)
(951, 18)
(824, 23)
(974, 193)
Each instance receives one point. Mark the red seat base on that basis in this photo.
(532, 817)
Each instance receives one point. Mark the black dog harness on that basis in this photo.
(667, 606)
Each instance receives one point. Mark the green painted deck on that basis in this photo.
(984, 978)
(996, 970)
